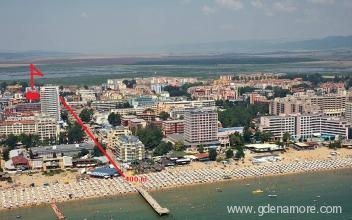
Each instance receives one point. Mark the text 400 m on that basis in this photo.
(136, 179)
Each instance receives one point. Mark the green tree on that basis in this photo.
(257, 135)
(162, 149)
(212, 154)
(129, 83)
(239, 152)
(179, 146)
(164, 115)
(150, 136)
(62, 138)
(6, 154)
(46, 142)
(11, 141)
(75, 134)
(286, 137)
(97, 152)
(86, 115)
(246, 89)
(30, 140)
(335, 144)
(64, 116)
(236, 140)
(31, 156)
(229, 153)
(247, 135)
(266, 136)
(240, 114)
(280, 92)
(200, 148)
(114, 119)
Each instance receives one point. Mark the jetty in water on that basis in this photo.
(57, 211)
(152, 202)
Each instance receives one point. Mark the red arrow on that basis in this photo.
(34, 72)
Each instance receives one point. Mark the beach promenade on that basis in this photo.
(92, 188)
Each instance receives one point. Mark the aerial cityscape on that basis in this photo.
(187, 109)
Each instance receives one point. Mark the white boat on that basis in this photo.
(272, 195)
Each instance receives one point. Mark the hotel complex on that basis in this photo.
(309, 102)
(50, 104)
(201, 126)
(304, 125)
(128, 148)
(43, 125)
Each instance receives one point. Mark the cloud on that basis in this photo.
(322, 2)
(84, 15)
(230, 4)
(284, 7)
(228, 27)
(208, 10)
(275, 7)
(348, 3)
(310, 15)
(185, 2)
(257, 3)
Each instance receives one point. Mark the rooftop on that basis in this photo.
(129, 139)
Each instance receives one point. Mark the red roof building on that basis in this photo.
(19, 161)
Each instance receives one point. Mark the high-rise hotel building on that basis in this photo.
(201, 126)
(50, 104)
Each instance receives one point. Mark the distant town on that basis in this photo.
(170, 131)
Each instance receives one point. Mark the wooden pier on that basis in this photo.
(152, 202)
(57, 211)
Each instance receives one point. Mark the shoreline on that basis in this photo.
(28, 197)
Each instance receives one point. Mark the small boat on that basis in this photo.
(218, 189)
(18, 216)
(272, 195)
(248, 184)
(257, 191)
(318, 196)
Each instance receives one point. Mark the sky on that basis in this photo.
(133, 26)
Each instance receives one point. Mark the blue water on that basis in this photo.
(205, 202)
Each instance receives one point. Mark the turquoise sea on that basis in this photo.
(206, 202)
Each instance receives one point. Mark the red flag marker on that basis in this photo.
(33, 95)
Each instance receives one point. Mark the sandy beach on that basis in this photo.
(59, 189)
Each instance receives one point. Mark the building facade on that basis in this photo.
(172, 127)
(305, 125)
(309, 102)
(201, 126)
(43, 125)
(128, 148)
(50, 104)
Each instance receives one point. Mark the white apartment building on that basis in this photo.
(278, 125)
(304, 125)
(50, 104)
(348, 114)
(114, 134)
(201, 126)
(87, 95)
(128, 148)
